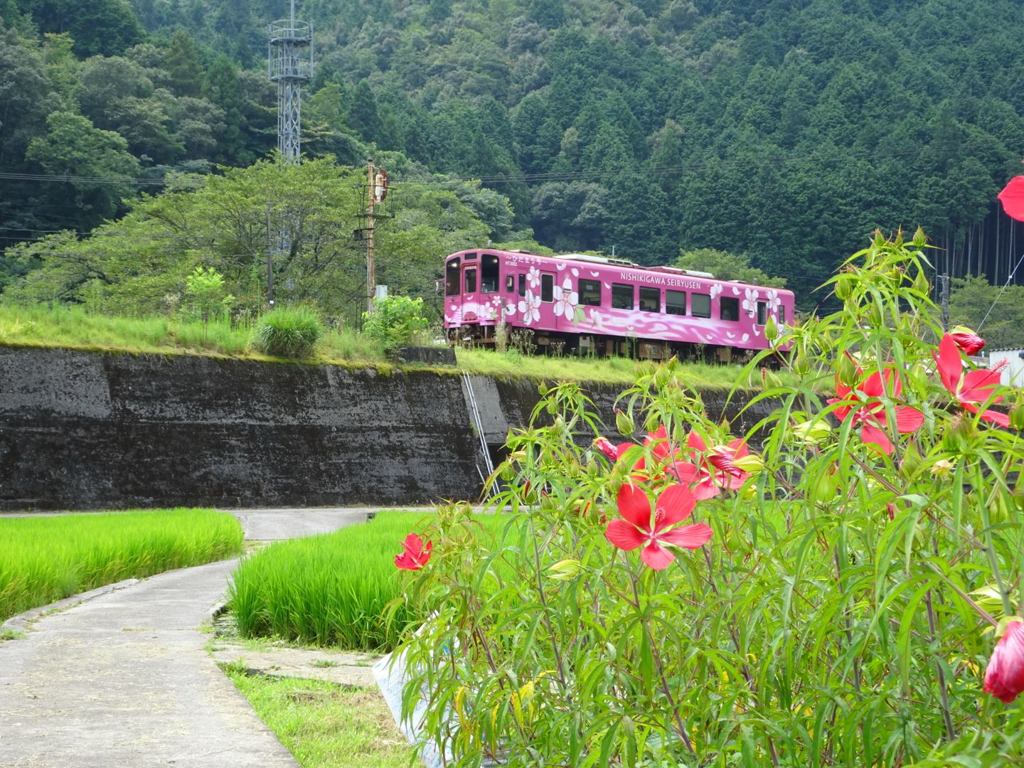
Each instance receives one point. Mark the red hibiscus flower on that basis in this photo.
(970, 388)
(864, 403)
(1004, 677)
(637, 529)
(711, 471)
(414, 553)
(968, 341)
(660, 450)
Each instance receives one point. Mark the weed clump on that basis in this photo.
(288, 332)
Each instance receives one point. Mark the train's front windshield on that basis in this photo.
(451, 278)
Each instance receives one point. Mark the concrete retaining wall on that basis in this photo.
(81, 430)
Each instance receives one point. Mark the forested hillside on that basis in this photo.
(787, 130)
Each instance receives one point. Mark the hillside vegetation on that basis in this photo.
(787, 131)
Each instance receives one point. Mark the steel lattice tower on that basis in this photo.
(290, 64)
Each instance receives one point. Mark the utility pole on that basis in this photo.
(944, 300)
(376, 191)
(371, 266)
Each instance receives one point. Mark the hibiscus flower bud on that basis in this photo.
(1017, 416)
(969, 342)
(848, 372)
(921, 283)
(812, 432)
(822, 487)
(942, 468)
(771, 330)
(751, 463)
(564, 570)
(1004, 677)
(844, 287)
(624, 423)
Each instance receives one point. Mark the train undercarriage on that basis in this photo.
(529, 341)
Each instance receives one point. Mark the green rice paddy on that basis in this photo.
(332, 589)
(47, 558)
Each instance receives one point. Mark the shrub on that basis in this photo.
(395, 322)
(680, 601)
(288, 332)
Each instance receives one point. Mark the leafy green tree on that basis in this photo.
(183, 65)
(204, 288)
(726, 266)
(103, 168)
(105, 27)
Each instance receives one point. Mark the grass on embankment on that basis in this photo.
(331, 589)
(44, 559)
(75, 328)
(325, 725)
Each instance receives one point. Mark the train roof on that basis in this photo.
(611, 261)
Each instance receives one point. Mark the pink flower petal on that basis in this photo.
(874, 436)
(994, 417)
(674, 505)
(977, 386)
(949, 363)
(1004, 677)
(624, 535)
(706, 489)
(688, 536)
(657, 557)
(908, 419)
(635, 506)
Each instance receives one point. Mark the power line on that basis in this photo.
(71, 179)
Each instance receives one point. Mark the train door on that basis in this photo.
(453, 291)
(470, 288)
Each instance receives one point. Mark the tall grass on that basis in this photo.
(43, 559)
(74, 327)
(331, 589)
(612, 370)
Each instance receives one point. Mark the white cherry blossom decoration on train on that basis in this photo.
(529, 307)
(716, 291)
(533, 278)
(774, 302)
(750, 301)
(566, 300)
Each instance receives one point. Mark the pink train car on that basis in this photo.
(593, 304)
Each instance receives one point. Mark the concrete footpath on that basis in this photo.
(124, 679)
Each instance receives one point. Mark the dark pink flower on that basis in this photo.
(415, 554)
(709, 472)
(864, 404)
(639, 528)
(970, 388)
(968, 341)
(1004, 677)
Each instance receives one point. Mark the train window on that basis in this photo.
(622, 296)
(451, 278)
(650, 299)
(762, 312)
(675, 302)
(471, 280)
(700, 305)
(590, 293)
(729, 308)
(489, 273)
(510, 283)
(547, 287)
(522, 285)
(780, 314)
